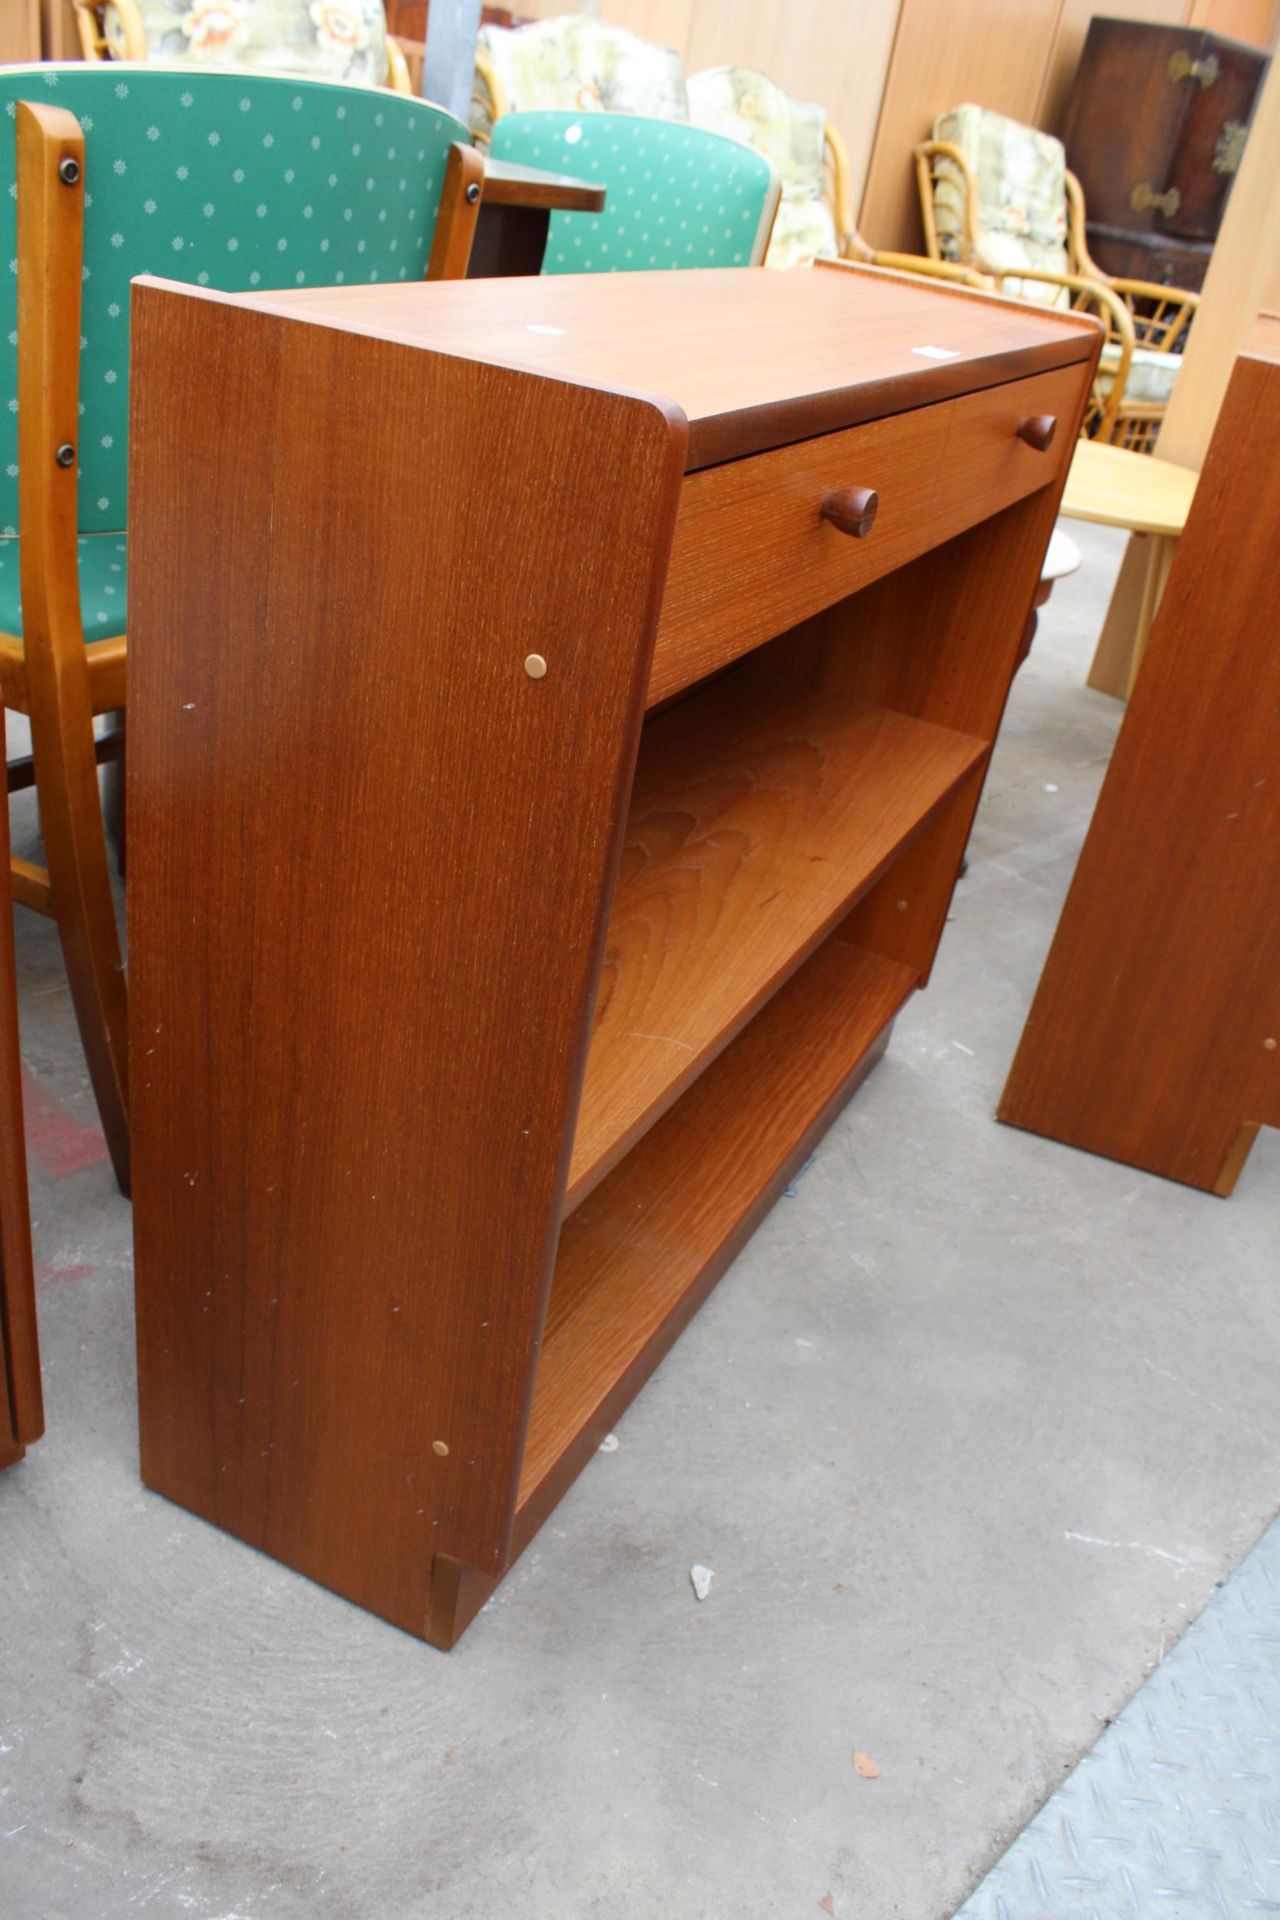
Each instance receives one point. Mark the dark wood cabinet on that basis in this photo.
(1155, 130)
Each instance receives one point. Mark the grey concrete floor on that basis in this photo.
(968, 1433)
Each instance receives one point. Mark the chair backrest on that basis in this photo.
(791, 134)
(229, 180)
(575, 64)
(1020, 176)
(677, 195)
(324, 39)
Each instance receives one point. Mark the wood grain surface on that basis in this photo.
(757, 818)
(508, 184)
(375, 851)
(753, 360)
(358, 1027)
(1154, 1036)
(21, 1403)
(752, 551)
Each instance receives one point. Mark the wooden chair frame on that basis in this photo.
(91, 24)
(1158, 317)
(49, 673)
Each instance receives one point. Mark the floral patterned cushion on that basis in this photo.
(678, 196)
(1022, 194)
(790, 134)
(343, 39)
(223, 179)
(574, 64)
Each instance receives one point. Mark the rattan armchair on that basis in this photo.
(1025, 232)
(117, 30)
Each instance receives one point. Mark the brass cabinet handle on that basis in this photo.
(1183, 67)
(852, 509)
(1144, 196)
(1038, 430)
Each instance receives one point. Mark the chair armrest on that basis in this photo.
(931, 269)
(399, 79)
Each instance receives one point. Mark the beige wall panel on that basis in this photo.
(61, 39)
(993, 52)
(1252, 20)
(1068, 43)
(833, 51)
(19, 30)
(665, 22)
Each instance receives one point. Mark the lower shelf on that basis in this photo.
(641, 1252)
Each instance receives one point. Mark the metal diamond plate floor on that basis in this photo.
(1176, 1812)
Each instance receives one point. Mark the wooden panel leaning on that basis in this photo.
(21, 1405)
(499, 946)
(1154, 1036)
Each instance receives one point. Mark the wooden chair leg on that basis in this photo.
(83, 906)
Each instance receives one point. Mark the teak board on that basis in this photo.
(1154, 1036)
(374, 849)
(752, 361)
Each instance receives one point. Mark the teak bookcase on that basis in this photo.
(548, 775)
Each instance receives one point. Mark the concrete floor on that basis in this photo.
(968, 1433)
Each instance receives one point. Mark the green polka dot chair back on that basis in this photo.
(677, 195)
(230, 180)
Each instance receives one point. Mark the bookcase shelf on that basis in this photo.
(642, 1251)
(757, 819)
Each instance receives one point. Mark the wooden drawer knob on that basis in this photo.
(852, 509)
(1038, 430)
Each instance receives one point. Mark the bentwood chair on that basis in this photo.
(999, 197)
(231, 180)
(321, 39)
(677, 196)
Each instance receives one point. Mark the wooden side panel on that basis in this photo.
(358, 1029)
(1155, 1033)
(21, 1405)
(993, 52)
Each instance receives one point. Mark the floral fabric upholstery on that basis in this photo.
(791, 135)
(102, 560)
(1022, 195)
(333, 39)
(576, 64)
(226, 179)
(678, 196)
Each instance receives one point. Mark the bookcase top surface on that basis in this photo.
(754, 359)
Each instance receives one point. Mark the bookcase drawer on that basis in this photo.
(754, 555)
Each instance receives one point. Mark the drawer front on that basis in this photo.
(753, 555)
(989, 465)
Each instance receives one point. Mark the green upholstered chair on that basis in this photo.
(227, 179)
(678, 196)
